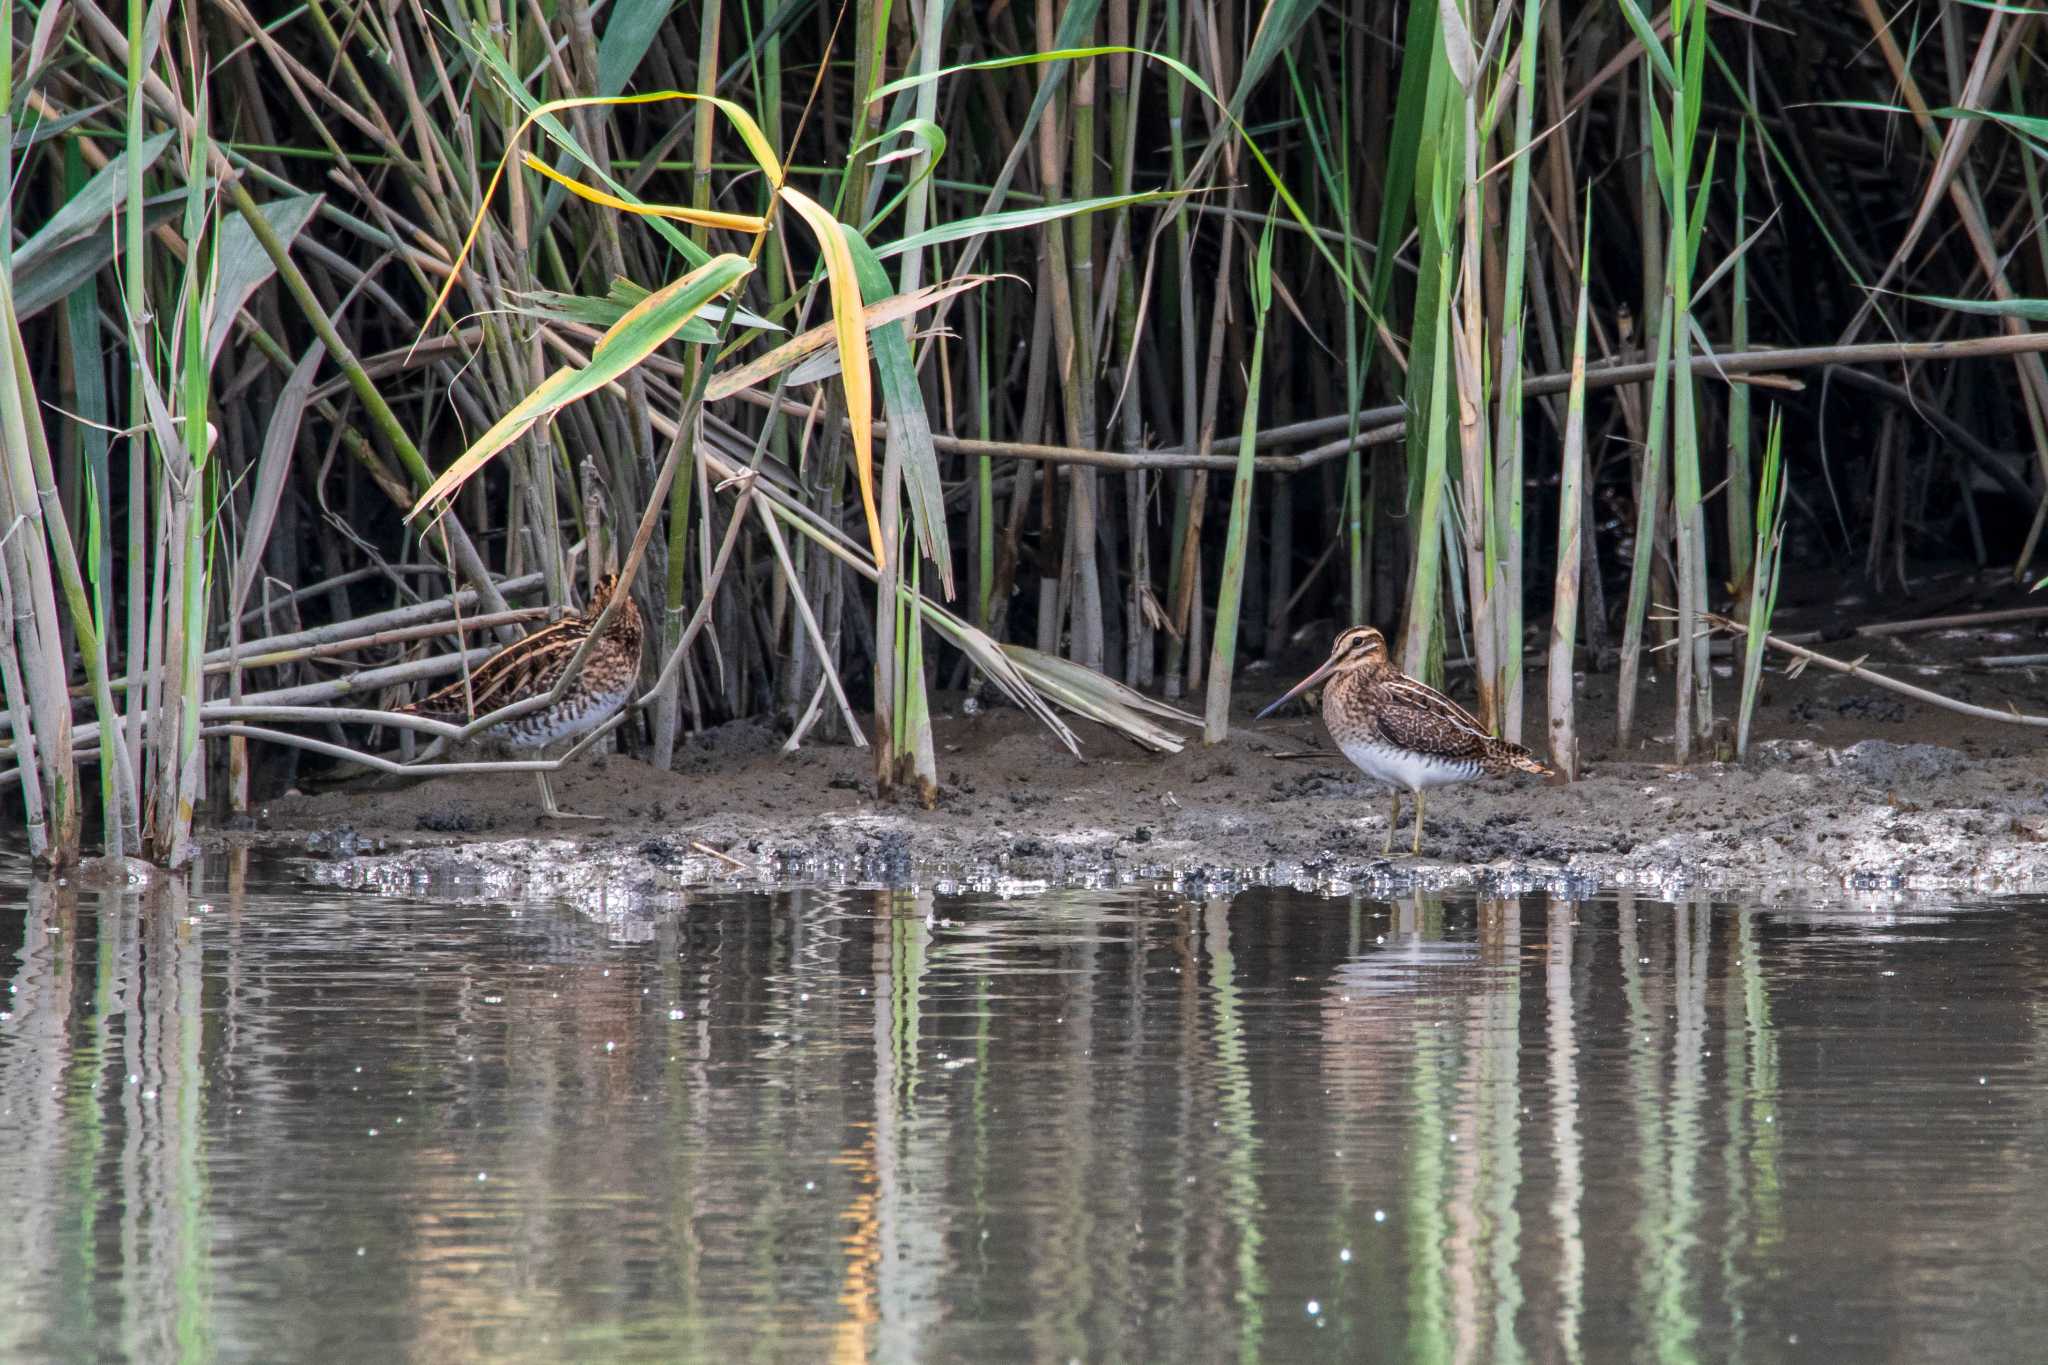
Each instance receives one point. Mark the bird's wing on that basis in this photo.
(507, 675)
(1416, 716)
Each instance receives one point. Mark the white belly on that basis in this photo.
(1400, 768)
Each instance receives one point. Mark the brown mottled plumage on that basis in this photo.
(1400, 732)
(531, 667)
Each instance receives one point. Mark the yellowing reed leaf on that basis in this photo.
(707, 218)
(627, 342)
(847, 325)
(750, 133)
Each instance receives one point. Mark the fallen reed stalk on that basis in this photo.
(1962, 621)
(1855, 669)
(1760, 361)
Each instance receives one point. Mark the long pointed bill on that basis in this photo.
(1304, 685)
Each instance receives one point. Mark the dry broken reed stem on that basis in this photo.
(1386, 423)
(1855, 669)
(1881, 629)
(1746, 364)
(249, 657)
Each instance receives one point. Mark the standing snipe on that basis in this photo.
(1400, 732)
(531, 667)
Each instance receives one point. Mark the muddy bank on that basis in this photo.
(1847, 788)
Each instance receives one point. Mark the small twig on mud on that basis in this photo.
(1669, 615)
(698, 845)
(1882, 629)
(1857, 670)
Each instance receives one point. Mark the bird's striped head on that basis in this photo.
(1358, 649)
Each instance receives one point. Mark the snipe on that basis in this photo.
(531, 667)
(1402, 733)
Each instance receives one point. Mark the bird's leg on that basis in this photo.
(1392, 820)
(1416, 847)
(548, 807)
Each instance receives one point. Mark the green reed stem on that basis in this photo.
(1768, 556)
(134, 269)
(1230, 590)
(1509, 456)
(183, 470)
(1741, 519)
(1651, 479)
(1564, 618)
(1425, 582)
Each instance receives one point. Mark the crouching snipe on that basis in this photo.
(1400, 732)
(531, 667)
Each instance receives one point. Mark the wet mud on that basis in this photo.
(1846, 787)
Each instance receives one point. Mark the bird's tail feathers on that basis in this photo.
(1521, 760)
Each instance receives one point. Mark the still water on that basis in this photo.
(261, 1121)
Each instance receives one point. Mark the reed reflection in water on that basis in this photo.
(253, 1121)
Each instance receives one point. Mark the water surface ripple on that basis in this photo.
(256, 1121)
